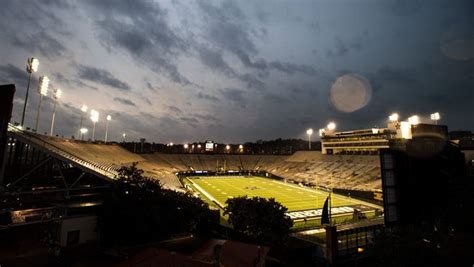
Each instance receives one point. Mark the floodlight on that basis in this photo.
(241, 147)
(32, 66)
(227, 147)
(57, 94)
(331, 126)
(94, 116)
(43, 85)
(309, 131)
(322, 131)
(393, 117)
(435, 116)
(84, 108)
(199, 146)
(109, 117)
(171, 144)
(83, 131)
(414, 120)
(186, 146)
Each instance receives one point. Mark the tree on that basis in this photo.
(260, 218)
(140, 210)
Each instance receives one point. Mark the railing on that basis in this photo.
(61, 152)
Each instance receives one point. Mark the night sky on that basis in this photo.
(235, 71)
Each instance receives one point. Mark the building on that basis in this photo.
(371, 141)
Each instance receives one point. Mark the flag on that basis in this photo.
(325, 215)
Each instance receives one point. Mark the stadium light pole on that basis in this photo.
(43, 91)
(83, 132)
(309, 132)
(107, 127)
(94, 119)
(435, 117)
(84, 109)
(56, 96)
(31, 67)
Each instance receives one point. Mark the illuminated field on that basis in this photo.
(293, 197)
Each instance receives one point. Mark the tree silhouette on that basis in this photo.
(140, 210)
(260, 218)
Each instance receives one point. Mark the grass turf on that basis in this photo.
(293, 197)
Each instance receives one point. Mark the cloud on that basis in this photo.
(205, 96)
(405, 7)
(73, 82)
(189, 120)
(226, 29)
(125, 101)
(40, 42)
(141, 29)
(175, 109)
(235, 96)
(101, 76)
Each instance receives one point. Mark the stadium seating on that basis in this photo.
(357, 172)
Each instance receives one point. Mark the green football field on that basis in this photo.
(293, 197)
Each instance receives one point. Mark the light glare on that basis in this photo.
(331, 126)
(394, 117)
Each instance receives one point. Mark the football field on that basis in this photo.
(295, 198)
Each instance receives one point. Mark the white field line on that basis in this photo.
(340, 196)
(206, 194)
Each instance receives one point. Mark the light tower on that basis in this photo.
(43, 91)
(94, 119)
(57, 94)
(83, 132)
(309, 132)
(107, 127)
(32, 67)
(84, 109)
(435, 117)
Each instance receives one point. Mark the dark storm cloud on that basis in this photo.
(73, 82)
(125, 101)
(189, 120)
(342, 48)
(175, 109)
(150, 87)
(34, 27)
(227, 30)
(214, 60)
(101, 76)
(234, 96)
(12, 73)
(206, 117)
(205, 96)
(141, 28)
(405, 7)
(40, 42)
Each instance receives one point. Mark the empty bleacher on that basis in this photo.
(308, 167)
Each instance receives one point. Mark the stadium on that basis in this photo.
(48, 178)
